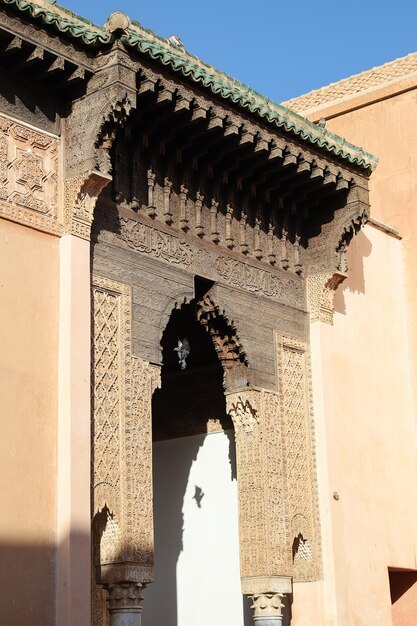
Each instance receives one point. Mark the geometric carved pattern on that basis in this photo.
(28, 175)
(121, 486)
(302, 558)
(110, 310)
(301, 482)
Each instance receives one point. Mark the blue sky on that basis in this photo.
(281, 49)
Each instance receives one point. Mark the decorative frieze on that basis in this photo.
(158, 244)
(177, 250)
(278, 286)
(29, 176)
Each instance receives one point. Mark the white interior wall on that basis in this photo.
(197, 579)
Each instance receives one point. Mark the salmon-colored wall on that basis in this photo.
(369, 433)
(388, 130)
(29, 286)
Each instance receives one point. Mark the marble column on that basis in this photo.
(124, 600)
(267, 609)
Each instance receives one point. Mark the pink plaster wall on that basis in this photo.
(388, 130)
(365, 380)
(369, 431)
(28, 382)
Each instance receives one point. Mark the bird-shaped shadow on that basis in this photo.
(198, 496)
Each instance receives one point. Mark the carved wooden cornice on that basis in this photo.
(269, 192)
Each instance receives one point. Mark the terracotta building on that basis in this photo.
(207, 357)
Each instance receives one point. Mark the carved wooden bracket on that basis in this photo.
(321, 290)
(80, 197)
(91, 127)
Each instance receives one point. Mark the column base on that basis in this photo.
(267, 621)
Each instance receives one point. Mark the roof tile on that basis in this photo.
(375, 77)
(219, 83)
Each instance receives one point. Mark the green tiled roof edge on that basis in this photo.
(73, 25)
(192, 67)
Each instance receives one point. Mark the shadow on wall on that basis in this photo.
(359, 248)
(27, 573)
(403, 588)
(28, 578)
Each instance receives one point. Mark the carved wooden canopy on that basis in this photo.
(188, 147)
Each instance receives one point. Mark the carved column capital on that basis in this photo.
(321, 290)
(243, 407)
(80, 197)
(124, 603)
(267, 608)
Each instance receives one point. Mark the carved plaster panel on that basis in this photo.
(29, 176)
(264, 546)
(295, 405)
(122, 387)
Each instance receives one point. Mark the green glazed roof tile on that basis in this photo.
(64, 21)
(219, 83)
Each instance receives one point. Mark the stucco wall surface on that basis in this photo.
(387, 129)
(369, 433)
(28, 389)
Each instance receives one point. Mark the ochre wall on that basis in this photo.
(28, 380)
(369, 433)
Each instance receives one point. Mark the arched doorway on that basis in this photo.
(197, 575)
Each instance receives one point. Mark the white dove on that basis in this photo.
(175, 41)
(182, 350)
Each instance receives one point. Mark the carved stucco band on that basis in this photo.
(122, 388)
(300, 493)
(321, 289)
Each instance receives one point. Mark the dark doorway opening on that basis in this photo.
(195, 488)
